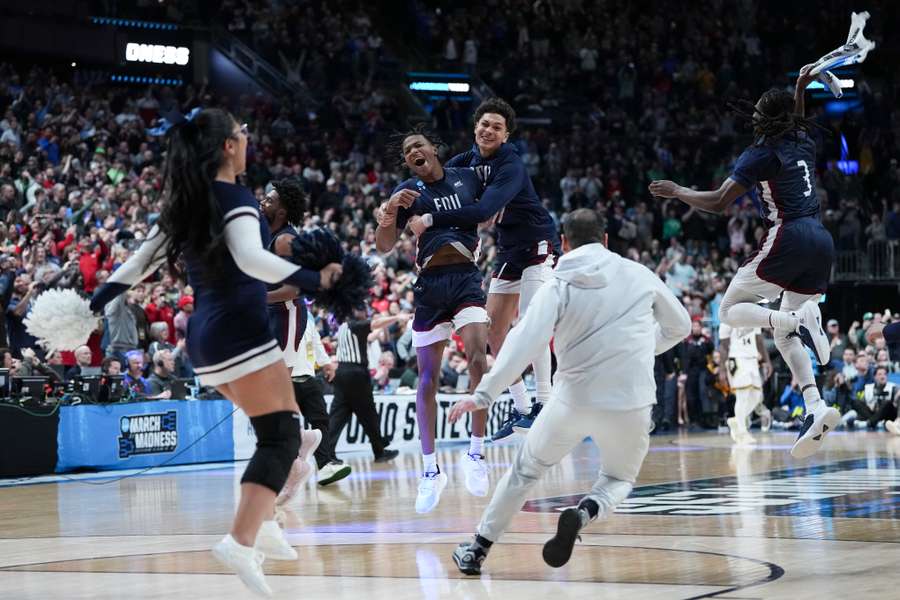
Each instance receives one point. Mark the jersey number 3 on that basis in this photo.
(808, 192)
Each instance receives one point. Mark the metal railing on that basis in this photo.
(877, 262)
(267, 75)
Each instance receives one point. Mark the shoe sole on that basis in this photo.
(441, 486)
(558, 549)
(307, 451)
(823, 353)
(465, 570)
(287, 494)
(521, 430)
(338, 475)
(813, 439)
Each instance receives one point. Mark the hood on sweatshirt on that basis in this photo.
(588, 266)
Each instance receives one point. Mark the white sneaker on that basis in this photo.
(430, 487)
(309, 442)
(765, 421)
(745, 439)
(300, 472)
(810, 331)
(476, 474)
(733, 429)
(270, 541)
(246, 562)
(892, 427)
(300, 469)
(332, 472)
(815, 426)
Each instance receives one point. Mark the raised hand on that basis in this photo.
(664, 188)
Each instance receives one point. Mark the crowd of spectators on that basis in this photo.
(629, 100)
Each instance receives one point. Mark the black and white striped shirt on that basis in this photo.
(352, 341)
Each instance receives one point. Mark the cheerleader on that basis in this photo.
(212, 226)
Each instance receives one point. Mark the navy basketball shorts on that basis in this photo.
(794, 256)
(447, 298)
(523, 262)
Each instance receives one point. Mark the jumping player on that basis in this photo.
(794, 257)
(448, 295)
(528, 244)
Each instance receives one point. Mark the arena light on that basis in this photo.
(847, 167)
(145, 80)
(817, 85)
(133, 23)
(157, 54)
(439, 86)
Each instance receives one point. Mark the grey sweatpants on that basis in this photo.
(622, 437)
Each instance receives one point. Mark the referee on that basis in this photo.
(353, 384)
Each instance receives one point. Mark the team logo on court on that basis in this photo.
(854, 489)
(148, 434)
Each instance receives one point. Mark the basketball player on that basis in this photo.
(742, 350)
(794, 258)
(609, 317)
(528, 245)
(213, 225)
(283, 207)
(447, 294)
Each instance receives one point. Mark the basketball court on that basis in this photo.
(706, 520)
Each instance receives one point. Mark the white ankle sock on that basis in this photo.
(476, 445)
(811, 398)
(429, 462)
(519, 396)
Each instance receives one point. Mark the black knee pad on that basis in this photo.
(277, 446)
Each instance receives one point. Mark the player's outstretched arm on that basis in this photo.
(803, 80)
(714, 201)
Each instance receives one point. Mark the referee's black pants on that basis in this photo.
(353, 394)
(308, 392)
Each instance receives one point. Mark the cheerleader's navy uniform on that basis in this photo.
(228, 335)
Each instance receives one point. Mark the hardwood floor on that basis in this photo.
(706, 520)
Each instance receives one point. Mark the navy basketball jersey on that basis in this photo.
(783, 173)
(522, 219)
(460, 187)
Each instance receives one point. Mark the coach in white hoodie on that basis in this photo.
(609, 317)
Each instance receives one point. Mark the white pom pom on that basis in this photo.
(61, 320)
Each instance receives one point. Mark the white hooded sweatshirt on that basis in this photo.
(609, 317)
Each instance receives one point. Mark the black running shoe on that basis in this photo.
(387, 456)
(558, 549)
(468, 558)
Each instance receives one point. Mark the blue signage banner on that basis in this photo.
(144, 434)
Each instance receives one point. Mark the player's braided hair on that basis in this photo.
(395, 143)
(292, 197)
(775, 117)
